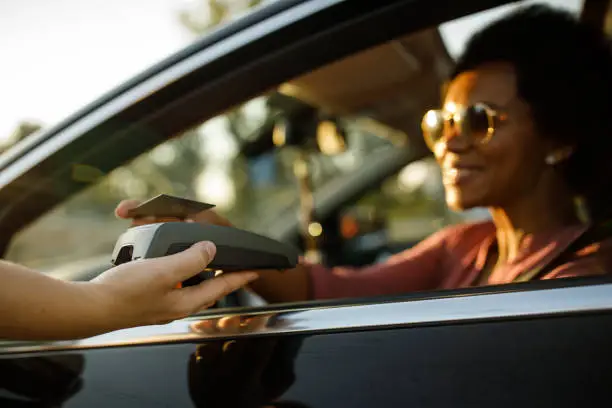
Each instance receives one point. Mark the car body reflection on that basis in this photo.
(45, 381)
(242, 372)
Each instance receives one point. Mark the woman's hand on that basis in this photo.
(145, 292)
(231, 324)
(204, 217)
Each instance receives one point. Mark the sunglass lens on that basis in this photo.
(432, 126)
(475, 123)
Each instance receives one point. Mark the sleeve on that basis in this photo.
(418, 268)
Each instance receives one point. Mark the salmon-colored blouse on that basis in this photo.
(454, 257)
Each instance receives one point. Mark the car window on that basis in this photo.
(209, 163)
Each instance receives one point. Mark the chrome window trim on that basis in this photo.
(408, 313)
(154, 84)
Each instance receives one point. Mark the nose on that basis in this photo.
(452, 140)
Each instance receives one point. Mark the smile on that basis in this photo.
(458, 175)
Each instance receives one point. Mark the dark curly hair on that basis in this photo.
(564, 73)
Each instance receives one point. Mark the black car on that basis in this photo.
(354, 78)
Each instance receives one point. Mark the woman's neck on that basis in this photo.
(528, 216)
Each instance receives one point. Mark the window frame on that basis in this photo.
(535, 300)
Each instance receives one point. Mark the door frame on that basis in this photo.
(535, 300)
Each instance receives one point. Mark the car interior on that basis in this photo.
(332, 161)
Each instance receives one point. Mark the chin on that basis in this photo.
(460, 201)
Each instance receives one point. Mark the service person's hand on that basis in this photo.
(36, 306)
(145, 292)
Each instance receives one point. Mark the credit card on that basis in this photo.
(165, 205)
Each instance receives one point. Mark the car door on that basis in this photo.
(535, 344)
(543, 346)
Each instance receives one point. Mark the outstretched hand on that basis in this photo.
(145, 292)
(36, 306)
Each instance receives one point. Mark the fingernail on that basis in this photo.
(210, 248)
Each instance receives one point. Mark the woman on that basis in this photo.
(524, 131)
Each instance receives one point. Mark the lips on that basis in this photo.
(459, 174)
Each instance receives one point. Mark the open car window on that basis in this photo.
(231, 161)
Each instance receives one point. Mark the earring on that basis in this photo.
(558, 156)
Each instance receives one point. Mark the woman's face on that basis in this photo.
(509, 165)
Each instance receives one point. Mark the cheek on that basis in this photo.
(513, 159)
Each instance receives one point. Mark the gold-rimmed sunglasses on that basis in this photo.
(476, 122)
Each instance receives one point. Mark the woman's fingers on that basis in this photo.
(211, 217)
(121, 211)
(229, 324)
(204, 217)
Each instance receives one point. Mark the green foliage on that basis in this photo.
(23, 130)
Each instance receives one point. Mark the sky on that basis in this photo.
(58, 55)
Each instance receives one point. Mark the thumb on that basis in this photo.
(187, 263)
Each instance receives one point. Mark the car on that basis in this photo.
(338, 87)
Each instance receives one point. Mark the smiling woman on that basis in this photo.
(501, 144)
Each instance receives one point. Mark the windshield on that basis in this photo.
(49, 71)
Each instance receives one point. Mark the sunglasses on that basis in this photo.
(475, 122)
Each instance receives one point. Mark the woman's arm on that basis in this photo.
(418, 268)
(34, 306)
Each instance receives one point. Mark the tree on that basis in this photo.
(146, 175)
(23, 130)
(204, 15)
